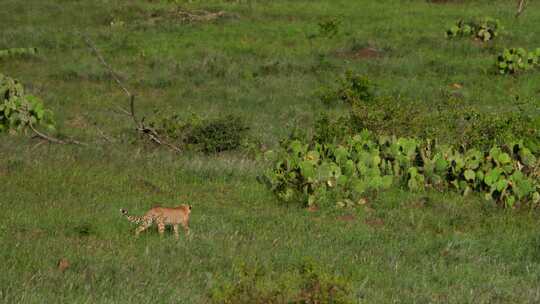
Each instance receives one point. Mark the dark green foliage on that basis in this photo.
(514, 60)
(206, 135)
(329, 28)
(304, 284)
(310, 173)
(330, 129)
(217, 135)
(484, 29)
(351, 89)
(19, 110)
(451, 122)
(18, 52)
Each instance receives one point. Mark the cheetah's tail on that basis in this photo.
(131, 218)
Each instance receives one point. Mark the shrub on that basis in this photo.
(451, 122)
(206, 135)
(514, 60)
(484, 29)
(352, 88)
(329, 28)
(19, 110)
(217, 135)
(18, 52)
(303, 284)
(309, 172)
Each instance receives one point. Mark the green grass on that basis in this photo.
(63, 201)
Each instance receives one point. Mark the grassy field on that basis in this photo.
(62, 201)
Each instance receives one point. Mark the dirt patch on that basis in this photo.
(63, 264)
(347, 218)
(363, 53)
(374, 222)
(312, 208)
(445, 1)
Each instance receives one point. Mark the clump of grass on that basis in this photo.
(306, 283)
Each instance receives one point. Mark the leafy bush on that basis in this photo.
(484, 29)
(19, 110)
(351, 89)
(18, 52)
(329, 28)
(514, 60)
(309, 172)
(450, 122)
(206, 135)
(304, 284)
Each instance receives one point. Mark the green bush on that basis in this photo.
(309, 172)
(351, 89)
(19, 110)
(206, 135)
(303, 284)
(18, 52)
(329, 28)
(450, 122)
(514, 60)
(484, 29)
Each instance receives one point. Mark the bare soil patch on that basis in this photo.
(363, 53)
(347, 218)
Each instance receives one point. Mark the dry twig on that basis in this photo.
(139, 124)
(521, 7)
(55, 140)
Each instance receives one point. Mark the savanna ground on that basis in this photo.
(62, 201)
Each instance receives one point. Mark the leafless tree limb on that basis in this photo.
(139, 124)
(55, 140)
(521, 7)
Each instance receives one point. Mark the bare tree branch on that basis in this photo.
(521, 7)
(139, 124)
(55, 140)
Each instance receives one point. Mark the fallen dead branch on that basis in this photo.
(55, 140)
(199, 16)
(521, 7)
(141, 128)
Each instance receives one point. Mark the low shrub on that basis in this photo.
(18, 110)
(309, 172)
(352, 88)
(303, 284)
(18, 52)
(206, 135)
(450, 121)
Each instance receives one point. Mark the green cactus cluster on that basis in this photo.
(484, 29)
(342, 174)
(19, 110)
(514, 60)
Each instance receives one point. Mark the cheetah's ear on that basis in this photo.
(189, 206)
